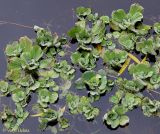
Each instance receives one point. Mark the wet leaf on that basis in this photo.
(83, 11)
(127, 40)
(156, 27)
(81, 105)
(45, 97)
(116, 116)
(13, 49)
(146, 46)
(150, 107)
(3, 86)
(141, 71)
(115, 58)
(122, 20)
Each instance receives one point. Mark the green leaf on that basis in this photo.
(11, 120)
(53, 97)
(122, 20)
(130, 85)
(35, 86)
(25, 44)
(155, 81)
(15, 63)
(49, 115)
(75, 57)
(45, 97)
(47, 63)
(135, 8)
(3, 86)
(80, 84)
(44, 37)
(32, 57)
(36, 53)
(141, 29)
(127, 40)
(13, 49)
(26, 81)
(116, 116)
(90, 113)
(19, 96)
(88, 75)
(80, 32)
(72, 102)
(117, 97)
(82, 11)
(61, 53)
(48, 74)
(98, 31)
(150, 107)
(124, 120)
(141, 71)
(65, 70)
(130, 101)
(73, 31)
(64, 123)
(156, 27)
(120, 110)
(105, 19)
(86, 60)
(118, 17)
(146, 46)
(81, 105)
(96, 83)
(135, 13)
(115, 58)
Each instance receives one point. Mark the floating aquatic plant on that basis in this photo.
(116, 116)
(127, 40)
(85, 59)
(122, 20)
(12, 120)
(44, 66)
(82, 105)
(97, 83)
(115, 58)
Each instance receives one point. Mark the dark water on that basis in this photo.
(58, 16)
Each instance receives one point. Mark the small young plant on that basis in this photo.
(81, 105)
(116, 117)
(86, 60)
(122, 20)
(150, 107)
(127, 40)
(12, 120)
(156, 27)
(115, 58)
(97, 83)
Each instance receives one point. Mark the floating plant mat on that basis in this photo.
(41, 66)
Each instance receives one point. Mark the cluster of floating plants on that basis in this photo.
(39, 66)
